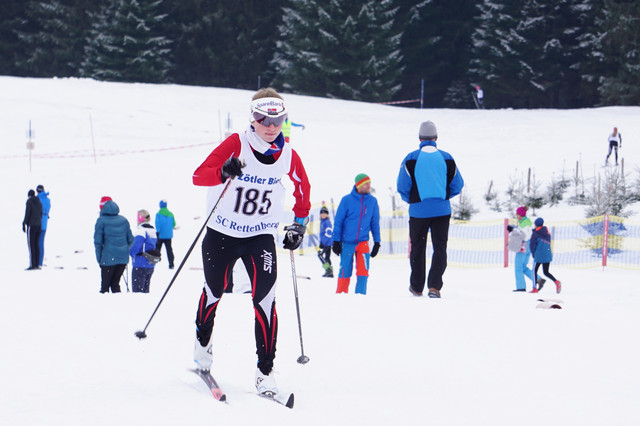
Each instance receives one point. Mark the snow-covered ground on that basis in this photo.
(481, 355)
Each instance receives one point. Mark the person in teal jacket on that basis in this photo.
(357, 216)
(112, 239)
(165, 224)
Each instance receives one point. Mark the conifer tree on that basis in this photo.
(339, 48)
(126, 43)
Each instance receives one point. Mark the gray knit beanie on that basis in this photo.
(428, 131)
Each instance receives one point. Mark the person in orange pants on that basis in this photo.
(357, 216)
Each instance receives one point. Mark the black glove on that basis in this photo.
(231, 168)
(337, 247)
(293, 236)
(376, 248)
(509, 228)
(321, 246)
(304, 128)
(24, 228)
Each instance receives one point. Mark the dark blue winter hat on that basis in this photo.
(539, 221)
(163, 203)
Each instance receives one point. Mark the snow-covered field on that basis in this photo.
(482, 355)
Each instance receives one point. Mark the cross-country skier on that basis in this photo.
(615, 142)
(245, 221)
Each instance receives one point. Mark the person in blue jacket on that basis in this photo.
(165, 224)
(427, 180)
(358, 215)
(326, 241)
(540, 245)
(46, 207)
(144, 254)
(112, 239)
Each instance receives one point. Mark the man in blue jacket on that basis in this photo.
(428, 178)
(358, 215)
(46, 207)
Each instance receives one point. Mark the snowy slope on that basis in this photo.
(481, 355)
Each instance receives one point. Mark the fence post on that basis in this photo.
(605, 240)
(506, 241)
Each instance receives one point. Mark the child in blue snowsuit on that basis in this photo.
(144, 241)
(540, 245)
(326, 241)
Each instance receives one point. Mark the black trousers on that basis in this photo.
(33, 243)
(167, 243)
(258, 254)
(111, 278)
(418, 230)
(324, 254)
(545, 269)
(141, 280)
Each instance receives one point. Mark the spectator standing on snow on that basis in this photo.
(286, 128)
(428, 178)
(31, 224)
(144, 254)
(245, 221)
(615, 142)
(540, 246)
(46, 207)
(165, 224)
(480, 97)
(326, 241)
(521, 259)
(112, 239)
(358, 215)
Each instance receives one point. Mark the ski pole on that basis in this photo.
(142, 333)
(302, 359)
(126, 276)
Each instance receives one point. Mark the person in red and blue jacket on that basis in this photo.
(540, 245)
(358, 215)
(144, 241)
(428, 178)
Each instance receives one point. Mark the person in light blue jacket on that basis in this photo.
(112, 239)
(46, 207)
(165, 224)
(142, 250)
(428, 179)
(358, 216)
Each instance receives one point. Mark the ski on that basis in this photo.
(280, 399)
(211, 384)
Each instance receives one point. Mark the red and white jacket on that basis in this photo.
(257, 193)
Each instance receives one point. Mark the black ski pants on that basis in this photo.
(258, 254)
(141, 280)
(545, 269)
(33, 238)
(167, 243)
(418, 230)
(111, 275)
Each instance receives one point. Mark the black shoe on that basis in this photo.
(541, 282)
(415, 293)
(31, 268)
(520, 289)
(433, 293)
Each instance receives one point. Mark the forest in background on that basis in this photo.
(523, 53)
